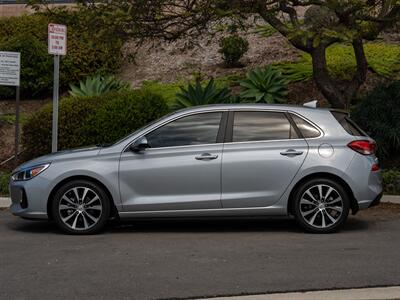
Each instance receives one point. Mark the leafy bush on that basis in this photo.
(167, 90)
(97, 120)
(90, 51)
(391, 181)
(232, 49)
(4, 178)
(378, 113)
(97, 85)
(382, 59)
(264, 85)
(199, 95)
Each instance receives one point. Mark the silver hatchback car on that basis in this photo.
(210, 161)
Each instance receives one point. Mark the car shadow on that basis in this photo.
(187, 225)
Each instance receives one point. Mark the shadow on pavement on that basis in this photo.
(186, 225)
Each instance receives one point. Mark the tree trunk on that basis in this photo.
(339, 94)
(325, 83)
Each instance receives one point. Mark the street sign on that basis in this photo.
(57, 46)
(57, 39)
(10, 64)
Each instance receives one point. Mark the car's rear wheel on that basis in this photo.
(81, 207)
(321, 205)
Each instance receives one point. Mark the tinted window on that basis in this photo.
(261, 126)
(306, 129)
(348, 124)
(192, 130)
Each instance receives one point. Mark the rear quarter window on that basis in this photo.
(307, 130)
(348, 124)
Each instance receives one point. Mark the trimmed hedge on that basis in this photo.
(91, 49)
(90, 121)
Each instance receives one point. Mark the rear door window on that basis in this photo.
(261, 126)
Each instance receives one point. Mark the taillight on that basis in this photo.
(364, 147)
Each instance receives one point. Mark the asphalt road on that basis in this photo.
(185, 259)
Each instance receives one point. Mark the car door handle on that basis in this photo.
(291, 152)
(206, 156)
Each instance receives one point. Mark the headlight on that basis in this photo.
(29, 173)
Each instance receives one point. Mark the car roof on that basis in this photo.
(252, 106)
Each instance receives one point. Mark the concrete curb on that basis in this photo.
(344, 294)
(6, 202)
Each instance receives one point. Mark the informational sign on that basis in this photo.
(57, 39)
(10, 64)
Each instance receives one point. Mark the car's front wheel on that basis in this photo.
(321, 205)
(81, 207)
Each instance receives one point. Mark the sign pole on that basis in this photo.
(55, 103)
(17, 117)
(57, 43)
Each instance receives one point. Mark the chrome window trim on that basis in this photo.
(230, 143)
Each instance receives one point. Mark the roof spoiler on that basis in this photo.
(312, 104)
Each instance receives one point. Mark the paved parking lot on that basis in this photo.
(184, 259)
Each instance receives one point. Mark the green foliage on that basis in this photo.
(378, 113)
(91, 49)
(391, 181)
(10, 119)
(199, 95)
(232, 49)
(97, 85)
(4, 178)
(264, 85)
(97, 120)
(382, 58)
(167, 90)
(17, 35)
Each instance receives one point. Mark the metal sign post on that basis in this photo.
(57, 46)
(10, 65)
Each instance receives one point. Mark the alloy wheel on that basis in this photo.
(80, 208)
(321, 206)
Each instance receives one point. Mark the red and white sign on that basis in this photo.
(57, 39)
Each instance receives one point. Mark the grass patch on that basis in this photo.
(4, 177)
(382, 58)
(10, 119)
(391, 181)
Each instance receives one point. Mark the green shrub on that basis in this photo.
(391, 181)
(382, 59)
(199, 95)
(91, 49)
(167, 90)
(378, 113)
(264, 85)
(4, 178)
(96, 120)
(232, 49)
(97, 85)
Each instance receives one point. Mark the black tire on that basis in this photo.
(66, 207)
(304, 212)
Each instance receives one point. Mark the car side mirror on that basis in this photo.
(139, 145)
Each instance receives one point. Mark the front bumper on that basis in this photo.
(29, 198)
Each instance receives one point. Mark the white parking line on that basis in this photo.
(348, 294)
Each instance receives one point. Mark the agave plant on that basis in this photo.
(264, 85)
(97, 85)
(199, 95)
